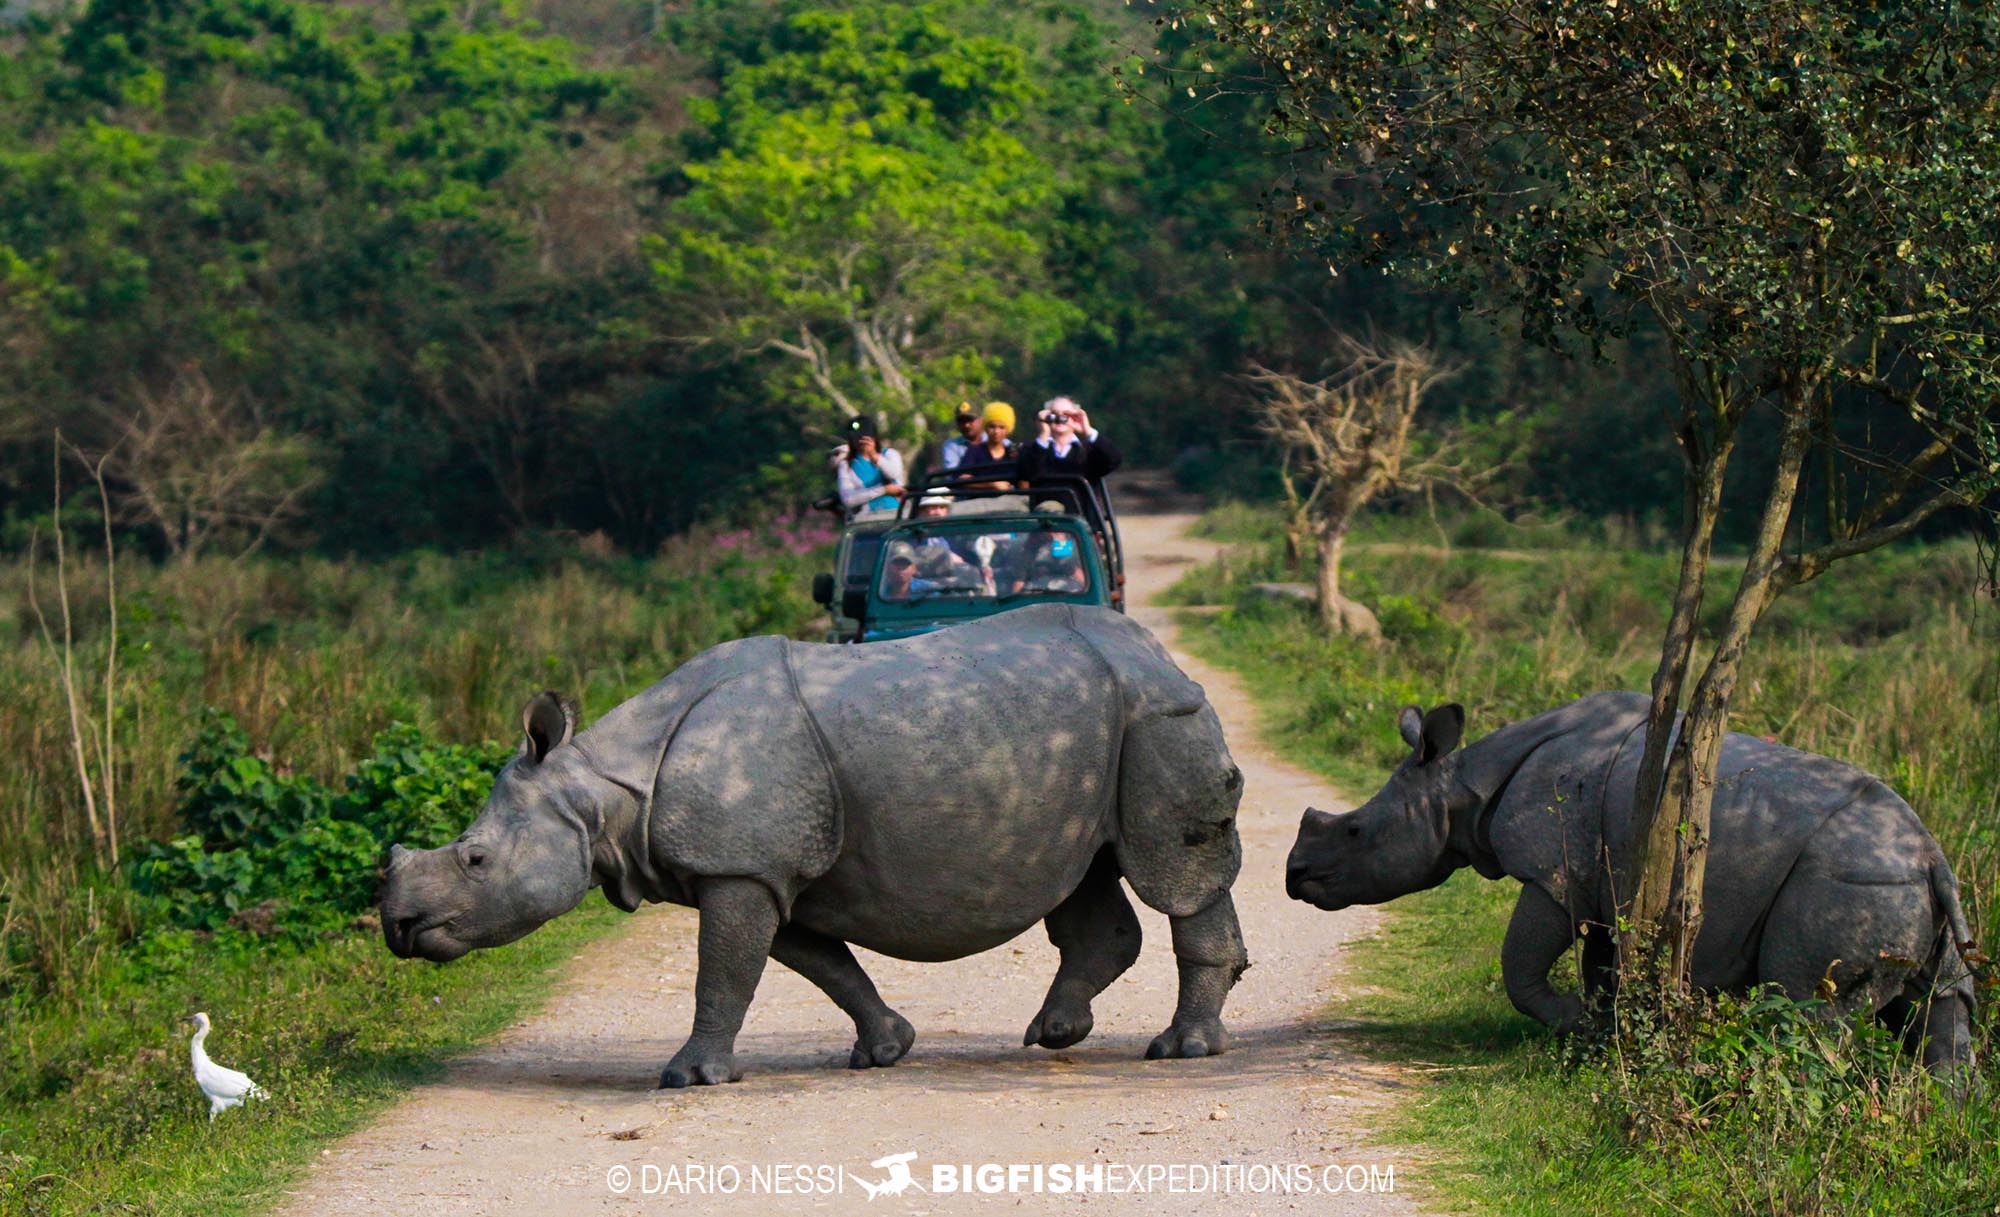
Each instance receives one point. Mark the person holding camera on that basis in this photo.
(867, 476)
(1066, 444)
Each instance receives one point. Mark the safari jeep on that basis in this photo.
(992, 552)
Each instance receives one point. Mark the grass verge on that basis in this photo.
(1761, 1110)
(360, 689)
(335, 1033)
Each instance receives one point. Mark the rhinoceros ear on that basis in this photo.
(1443, 728)
(1411, 723)
(549, 720)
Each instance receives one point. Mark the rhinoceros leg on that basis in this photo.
(1537, 936)
(1209, 948)
(1098, 935)
(1948, 1033)
(739, 920)
(1600, 964)
(881, 1036)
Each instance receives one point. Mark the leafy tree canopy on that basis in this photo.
(1800, 194)
(870, 211)
(1794, 190)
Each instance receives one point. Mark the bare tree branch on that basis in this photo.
(1347, 437)
(203, 469)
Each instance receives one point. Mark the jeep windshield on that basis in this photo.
(969, 568)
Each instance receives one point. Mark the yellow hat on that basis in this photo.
(999, 412)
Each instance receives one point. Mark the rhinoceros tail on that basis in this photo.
(1944, 890)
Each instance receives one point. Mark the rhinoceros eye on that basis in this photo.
(1354, 830)
(475, 857)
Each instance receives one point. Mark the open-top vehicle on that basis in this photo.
(996, 548)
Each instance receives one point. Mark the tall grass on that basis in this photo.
(314, 657)
(1891, 662)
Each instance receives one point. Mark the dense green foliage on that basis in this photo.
(1796, 196)
(362, 277)
(353, 708)
(279, 851)
(869, 211)
(1755, 1108)
(235, 223)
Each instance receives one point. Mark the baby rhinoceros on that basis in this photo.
(1816, 870)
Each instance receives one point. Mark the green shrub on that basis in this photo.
(325, 873)
(1782, 1102)
(233, 799)
(278, 853)
(1406, 619)
(194, 887)
(416, 793)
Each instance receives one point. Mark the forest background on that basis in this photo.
(363, 278)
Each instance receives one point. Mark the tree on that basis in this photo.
(868, 214)
(202, 468)
(1799, 194)
(289, 195)
(1348, 436)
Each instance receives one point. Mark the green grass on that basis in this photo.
(314, 657)
(335, 1033)
(1894, 666)
(1515, 1122)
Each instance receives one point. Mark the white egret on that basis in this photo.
(225, 1088)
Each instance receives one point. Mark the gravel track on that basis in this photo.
(541, 1118)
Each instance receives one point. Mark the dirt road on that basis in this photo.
(560, 1109)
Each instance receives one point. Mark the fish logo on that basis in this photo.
(898, 1181)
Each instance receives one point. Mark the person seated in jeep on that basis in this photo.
(1049, 562)
(943, 559)
(927, 568)
(899, 575)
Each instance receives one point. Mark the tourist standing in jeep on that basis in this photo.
(1066, 444)
(867, 476)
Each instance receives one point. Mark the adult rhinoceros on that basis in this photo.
(927, 798)
(1815, 868)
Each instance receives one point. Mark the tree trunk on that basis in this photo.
(1298, 516)
(1688, 794)
(1332, 540)
(1652, 831)
(887, 362)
